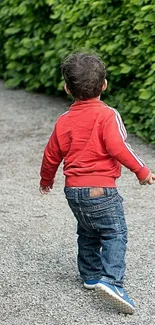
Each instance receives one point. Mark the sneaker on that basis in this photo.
(90, 284)
(116, 297)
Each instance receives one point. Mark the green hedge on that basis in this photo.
(36, 35)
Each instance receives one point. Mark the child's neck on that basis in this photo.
(94, 98)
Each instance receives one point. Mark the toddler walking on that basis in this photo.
(90, 138)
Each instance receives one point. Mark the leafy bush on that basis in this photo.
(37, 35)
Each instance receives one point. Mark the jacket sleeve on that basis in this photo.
(51, 160)
(114, 134)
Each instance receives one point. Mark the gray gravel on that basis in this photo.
(38, 274)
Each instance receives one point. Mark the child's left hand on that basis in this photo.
(149, 180)
(44, 189)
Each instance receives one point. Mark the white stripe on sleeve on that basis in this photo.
(120, 124)
(134, 154)
(123, 134)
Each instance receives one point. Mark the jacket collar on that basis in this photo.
(78, 104)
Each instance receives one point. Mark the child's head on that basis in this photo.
(84, 75)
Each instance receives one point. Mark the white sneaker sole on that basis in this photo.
(114, 300)
(89, 286)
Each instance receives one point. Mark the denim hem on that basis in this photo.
(113, 282)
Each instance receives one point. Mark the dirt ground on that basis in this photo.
(39, 281)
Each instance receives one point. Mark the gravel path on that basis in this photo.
(38, 274)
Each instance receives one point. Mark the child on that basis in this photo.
(90, 139)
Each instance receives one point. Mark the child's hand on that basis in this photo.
(149, 180)
(44, 189)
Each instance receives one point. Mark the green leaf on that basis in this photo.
(48, 54)
(22, 9)
(150, 80)
(153, 67)
(125, 68)
(50, 2)
(150, 18)
(136, 109)
(153, 58)
(12, 83)
(137, 2)
(12, 65)
(147, 7)
(12, 31)
(23, 52)
(145, 94)
(26, 42)
(139, 26)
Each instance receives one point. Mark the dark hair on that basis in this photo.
(84, 75)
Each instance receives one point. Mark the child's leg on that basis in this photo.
(89, 258)
(107, 217)
(113, 243)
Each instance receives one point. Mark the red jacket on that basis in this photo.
(90, 139)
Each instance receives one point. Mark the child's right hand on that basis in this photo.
(150, 179)
(44, 189)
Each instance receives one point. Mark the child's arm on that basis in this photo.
(114, 134)
(50, 163)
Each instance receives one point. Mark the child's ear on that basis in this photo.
(66, 89)
(104, 87)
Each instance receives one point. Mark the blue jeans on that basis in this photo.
(102, 234)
